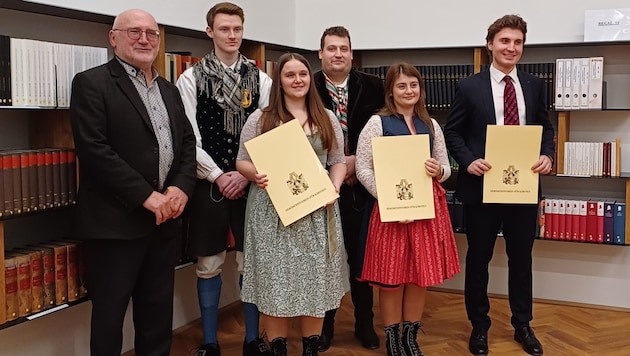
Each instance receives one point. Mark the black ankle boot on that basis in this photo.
(310, 345)
(409, 338)
(393, 343)
(279, 346)
(328, 330)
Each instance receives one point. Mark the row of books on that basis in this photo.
(33, 180)
(544, 71)
(592, 159)
(39, 74)
(268, 67)
(439, 82)
(594, 221)
(579, 83)
(39, 277)
(175, 63)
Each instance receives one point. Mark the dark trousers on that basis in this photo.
(143, 270)
(352, 205)
(483, 222)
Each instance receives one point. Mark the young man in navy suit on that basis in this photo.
(477, 104)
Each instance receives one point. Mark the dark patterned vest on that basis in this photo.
(395, 126)
(219, 144)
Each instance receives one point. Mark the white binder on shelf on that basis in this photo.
(595, 85)
(585, 65)
(559, 86)
(568, 64)
(575, 84)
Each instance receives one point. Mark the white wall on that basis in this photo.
(381, 24)
(374, 24)
(271, 21)
(563, 271)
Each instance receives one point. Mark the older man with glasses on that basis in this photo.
(137, 152)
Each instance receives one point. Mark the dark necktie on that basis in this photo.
(510, 108)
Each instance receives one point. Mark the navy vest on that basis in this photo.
(394, 125)
(219, 144)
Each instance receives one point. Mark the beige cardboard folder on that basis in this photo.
(298, 183)
(512, 150)
(405, 190)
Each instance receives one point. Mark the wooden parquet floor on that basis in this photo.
(563, 330)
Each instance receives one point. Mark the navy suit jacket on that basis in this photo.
(119, 156)
(472, 110)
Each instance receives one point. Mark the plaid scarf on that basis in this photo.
(339, 96)
(226, 86)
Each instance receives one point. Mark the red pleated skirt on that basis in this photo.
(422, 252)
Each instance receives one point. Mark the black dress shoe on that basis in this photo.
(478, 343)
(525, 336)
(209, 350)
(255, 348)
(367, 337)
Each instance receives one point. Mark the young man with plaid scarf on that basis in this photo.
(219, 93)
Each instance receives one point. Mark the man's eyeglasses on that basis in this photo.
(136, 33)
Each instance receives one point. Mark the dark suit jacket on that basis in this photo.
(118, 153)
(472, 110)
(365, 97)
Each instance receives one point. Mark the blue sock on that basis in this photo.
(209, 292)
(251, 318)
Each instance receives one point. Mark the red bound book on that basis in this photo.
(541, 219)
(56, 168)
(583, 214)
(61, 272)
(41, 179)
(606, 159)
(600, 222)
(562, 211)
(568, 220)
(48, 167)
(48, 277)
(7, 183)
(32, 180)
(575, 220)
(72, 176)
(25, 185)
(71, 268)
(591, 221)
(23, 262)
(16, 173)
(37, 278)
(11, 288)
(548, 219)
(63, 176)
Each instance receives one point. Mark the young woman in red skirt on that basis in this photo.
(403, 258)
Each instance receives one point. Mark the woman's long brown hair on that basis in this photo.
(276, 113)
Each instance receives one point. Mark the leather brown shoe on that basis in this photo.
(525, 336)
(478, 343)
